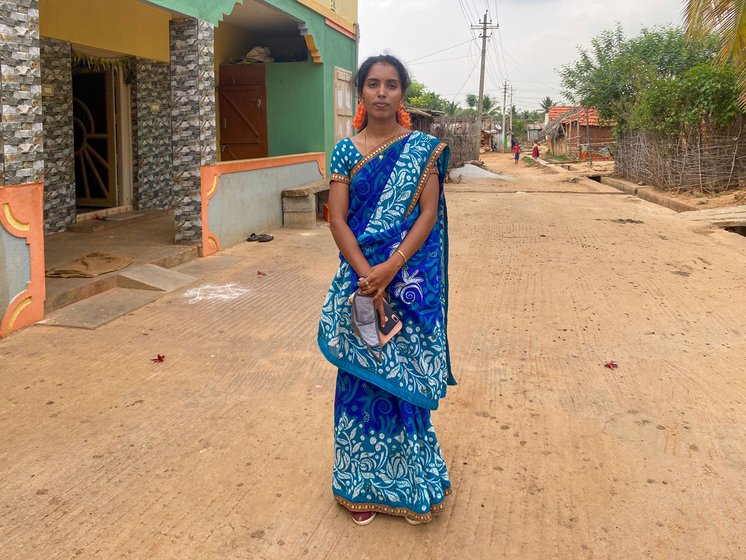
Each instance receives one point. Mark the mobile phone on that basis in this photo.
(392, 319)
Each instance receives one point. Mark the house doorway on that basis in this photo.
(101, 130)
(242, 99)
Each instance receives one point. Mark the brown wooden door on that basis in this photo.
(242, 98)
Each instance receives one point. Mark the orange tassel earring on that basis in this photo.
(360, 116)
(403, 117)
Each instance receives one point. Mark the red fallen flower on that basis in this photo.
(611, 365)
(158, 358)
(260, 273)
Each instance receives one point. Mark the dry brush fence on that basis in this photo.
(460, 135)
(705, 159)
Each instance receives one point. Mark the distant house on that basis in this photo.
(533, 131)
(578, 131)
(422, 119)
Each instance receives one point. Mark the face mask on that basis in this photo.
(366, 323)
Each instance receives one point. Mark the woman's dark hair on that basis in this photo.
(362, 72)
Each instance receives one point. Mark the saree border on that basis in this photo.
(370, 155)
(396, 511)
(339, 178)
(425, 174)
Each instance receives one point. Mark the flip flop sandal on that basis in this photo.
(260, 237)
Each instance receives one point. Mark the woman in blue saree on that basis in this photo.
(388, 218)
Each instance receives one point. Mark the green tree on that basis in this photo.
(546, 103)
(704, 95)
(726, 19)
(490, 106)
(452, 109)
(611, 74)
(419, 96)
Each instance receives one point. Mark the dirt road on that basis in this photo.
(224, 450)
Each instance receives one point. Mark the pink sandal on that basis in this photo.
(363, 517)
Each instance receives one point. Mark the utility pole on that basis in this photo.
(505, 105)
(511, 111)
(484, 25)
(588, 133)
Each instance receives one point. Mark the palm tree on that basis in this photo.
(546, 103)
(452, 109)
(727, 20)
(489, 104)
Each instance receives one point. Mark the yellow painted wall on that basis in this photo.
(122, 26)
(342, 12)
(346, 8)
(231, 42)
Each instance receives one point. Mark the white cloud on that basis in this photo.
(538, 36)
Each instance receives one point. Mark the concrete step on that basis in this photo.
(153, 277)
(115, 220)
(65, 291)
(96, 311)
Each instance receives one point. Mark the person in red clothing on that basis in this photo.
(535, 151)
(517, 152)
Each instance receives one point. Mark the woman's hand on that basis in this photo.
(375, 283)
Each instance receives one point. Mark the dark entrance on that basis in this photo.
(95, 139)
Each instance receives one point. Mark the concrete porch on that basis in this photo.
(146, 235)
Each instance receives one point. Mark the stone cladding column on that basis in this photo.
(151, 135)
(192, 120)
(59, 144)
(21, 149)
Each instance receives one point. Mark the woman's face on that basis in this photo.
(382, 91)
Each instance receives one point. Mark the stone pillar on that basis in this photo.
(192, 120)
(59, 144)
(21, 149)
(151, 135)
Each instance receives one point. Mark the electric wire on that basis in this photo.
(437, 52)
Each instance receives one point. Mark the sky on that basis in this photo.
(535, 38)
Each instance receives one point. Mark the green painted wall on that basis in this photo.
(337, 51)
(307, 111)
(295, 96)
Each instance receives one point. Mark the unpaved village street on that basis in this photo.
(224, 450)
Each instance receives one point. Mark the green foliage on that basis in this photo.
(704, 94)
(546, 103)
(615, 71)
(452, 109)
(419, 96)
(490, 105)
(726, 19)
(523, 118)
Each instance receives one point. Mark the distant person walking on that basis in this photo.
(517, 152)
(388, 219)
(535, 151)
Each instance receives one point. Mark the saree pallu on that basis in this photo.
(387, 457)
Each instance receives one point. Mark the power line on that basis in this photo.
(467, 19)
(440, 51)
(466, 80)
(439, 60)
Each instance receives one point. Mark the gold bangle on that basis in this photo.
(402, 256)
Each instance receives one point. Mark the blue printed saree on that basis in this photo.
(387, 457)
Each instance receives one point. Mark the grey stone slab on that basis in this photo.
(299, 203)
(299, 220)
(200, 268)
(153, 277)
(93, 312)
